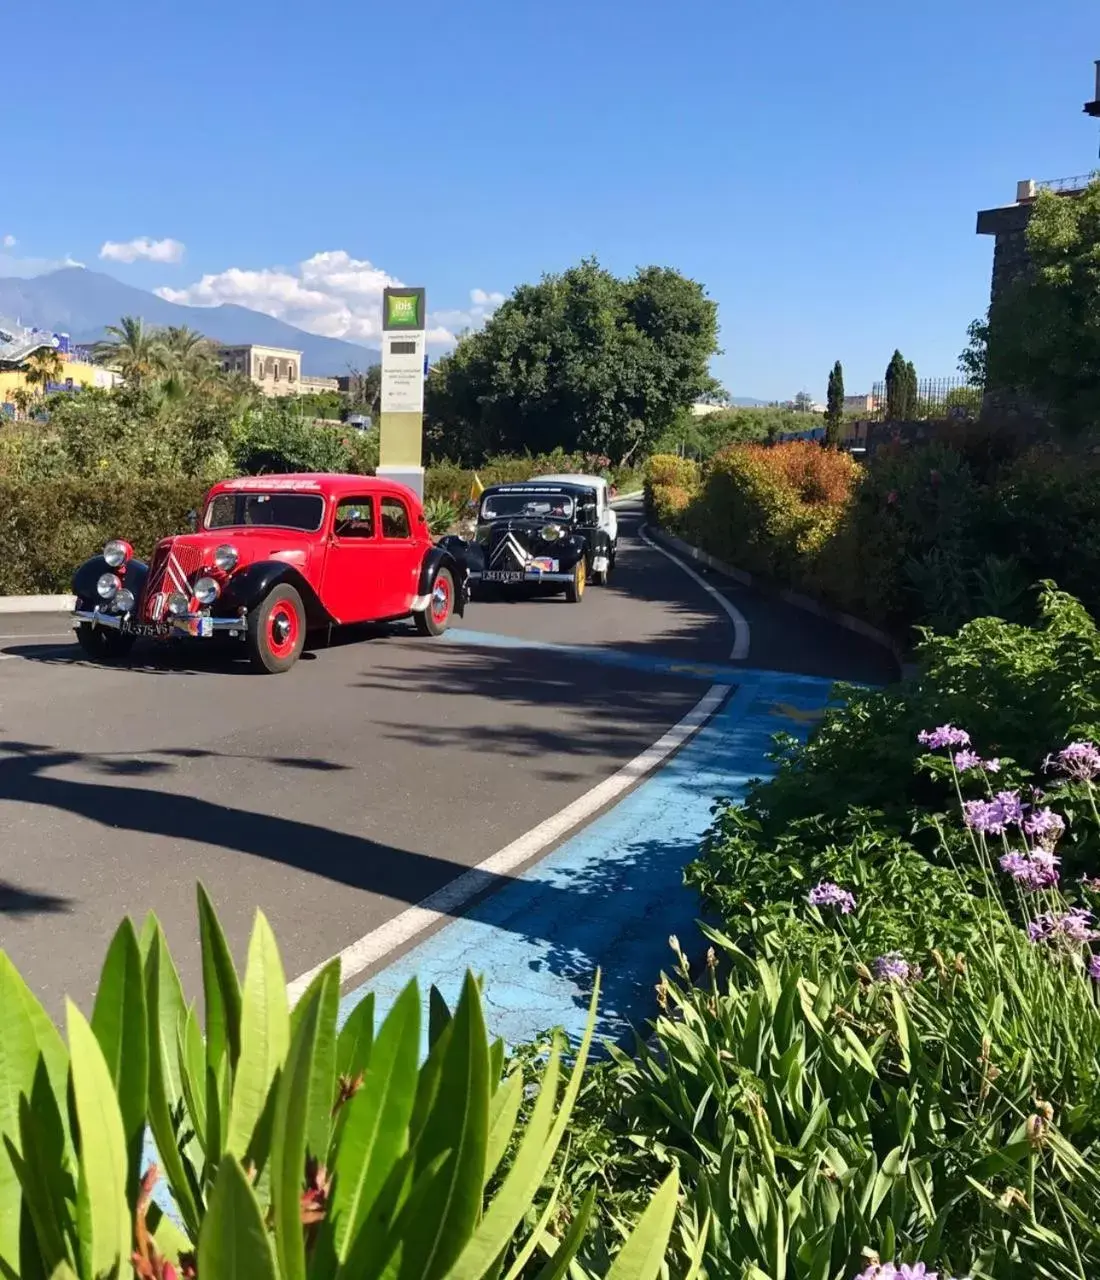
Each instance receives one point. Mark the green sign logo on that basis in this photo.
(401, 311)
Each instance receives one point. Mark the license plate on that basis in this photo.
(157, 629)
(502, 575)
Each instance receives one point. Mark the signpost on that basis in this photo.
(404, 323)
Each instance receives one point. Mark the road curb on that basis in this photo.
(66, 604)
(795, 599)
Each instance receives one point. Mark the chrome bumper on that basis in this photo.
(529, 576)
(195, 625)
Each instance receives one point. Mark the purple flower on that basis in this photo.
(992, 766)
(967, 759)
(902, 1271)
(1070, 928)
(1091, 883)
(1037, 869)
(893, 967)
(1094, 968)
(1011, 808)
(945, 736)
(1045, 826)
(1080, 760)
(827, 894)
(992, 816)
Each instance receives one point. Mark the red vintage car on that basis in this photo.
(269, 559)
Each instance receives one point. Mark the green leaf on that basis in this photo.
(234, 1243)
(353, 1045)
(375, 1131)
(265, 1036)
(44, 1171)
(641, 1257)
(322, 1080)
(439, 1016)
(63, 1272)
(527, 1252)
(221, 987)
(557, 1267)
(19, 1054)
(503, 1111)
(120, 1023)
(288, 1143)
(496, 1063)
(192, 1067)
(457, 1123)
(164, 1000)
(105, 1224)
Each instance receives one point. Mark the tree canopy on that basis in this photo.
(583, 361)
(1041, 336)
(834, 408)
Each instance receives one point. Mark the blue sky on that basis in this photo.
(817, 167)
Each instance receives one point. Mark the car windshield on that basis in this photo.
(277, 510)
(497, 506)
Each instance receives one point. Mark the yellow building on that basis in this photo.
(277, 371)
(76, 372)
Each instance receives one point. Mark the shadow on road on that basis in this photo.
(15, 901)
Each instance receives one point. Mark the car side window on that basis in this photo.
(355, 519)
(395, 519)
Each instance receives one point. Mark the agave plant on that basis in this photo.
(291, 1149)
(441, 515)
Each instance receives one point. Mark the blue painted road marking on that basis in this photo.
(612, 894)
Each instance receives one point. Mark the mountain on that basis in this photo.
(82, 303)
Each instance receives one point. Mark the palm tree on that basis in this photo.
(132, 350)
(21, 398)
(43, 367)
(187, 354)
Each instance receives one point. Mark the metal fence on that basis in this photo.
(1078, 183)
(936, 398)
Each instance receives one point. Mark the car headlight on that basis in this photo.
(178, 603)
(123, 601)
(117, 552)
(206, 590)
(551, 532)
(226, 557)
(108, 586)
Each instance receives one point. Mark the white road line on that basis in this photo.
(449, 900)
(740, 650)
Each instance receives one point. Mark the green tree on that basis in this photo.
(582, 361)
(133, 350)
(901, 389)
(1041, 336)
(803, 402)
(912, 397)
(42, 367)
(834, 404)
(185, 354)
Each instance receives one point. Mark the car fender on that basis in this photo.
(569, 551)
(469, 554)
(442, 557)
(88, 574)
(248, 587)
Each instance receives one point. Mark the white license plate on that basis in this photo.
(157, 629)
(502, 575)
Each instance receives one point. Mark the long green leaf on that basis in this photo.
(642, 1255)
(439, 1015)
(19, 1054)
(535, 1154)
(458, 1123)
(375, 1131)
(503, 1111)
(322, 1079)
(557, 1266)
(234, 1243)
(192, 1068)
(288, 1144)
(44, 1172)
(527, 1252)
(105, 1231)
(353, 1045)
(221, 987)
(120, 1023)
(161, 1003)
(265, 1036)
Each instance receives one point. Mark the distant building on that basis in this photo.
(277, 371)
(312, 385)
(860, 404)
(703, 408)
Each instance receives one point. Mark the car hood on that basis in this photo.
(253, 544)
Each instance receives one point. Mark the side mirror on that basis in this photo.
(192, 520)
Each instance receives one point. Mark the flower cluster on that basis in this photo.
(1072, 928)
(991, 817)
(899, 1271)
(945, 736)
(827, 894)
(1036, 869)
(1080, 760)
(1045, 826)
(893, 967)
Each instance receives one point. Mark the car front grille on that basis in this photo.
(172, 568)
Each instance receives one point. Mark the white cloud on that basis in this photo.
(9, 242)
(331, 293)
(142, 249)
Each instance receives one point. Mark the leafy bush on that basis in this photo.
(441, 515)
(290, 1149)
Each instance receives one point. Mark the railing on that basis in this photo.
(1078, 183)
(936, 398)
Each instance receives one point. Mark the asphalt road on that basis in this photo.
(336, 795)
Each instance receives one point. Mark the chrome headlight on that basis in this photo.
(551, 532)
(108, 586)
(178, 603)
(206, 590)
(117, 552)
(226, 557)
(123, 601)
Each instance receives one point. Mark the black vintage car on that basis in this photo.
(541, 535)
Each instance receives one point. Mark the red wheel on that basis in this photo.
(435, 619)
(277, 631)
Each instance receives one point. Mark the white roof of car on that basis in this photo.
(593, 482)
